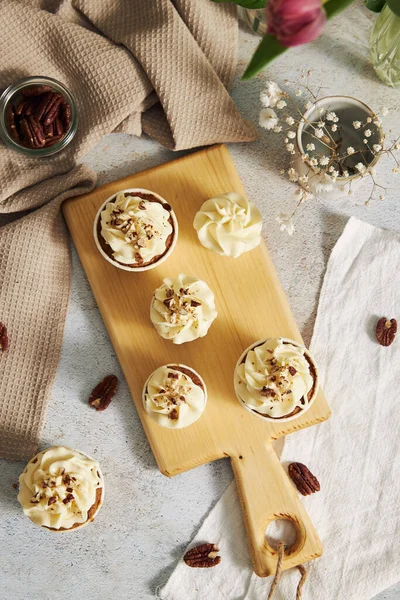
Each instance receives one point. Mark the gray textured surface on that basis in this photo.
(147, 520)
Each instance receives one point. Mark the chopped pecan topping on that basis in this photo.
(386, 331)
(3, 338)
(303, 479)
(173, 375)
(103, 393)
(51, 500)
(292, 371)
(169, 292)
(267, 392)
(173, 415)
(194, 303)
(142, 205)
(67, 479)
(68, 498)
(69, 489)
(203, 556)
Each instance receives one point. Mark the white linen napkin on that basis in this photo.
(355, 454)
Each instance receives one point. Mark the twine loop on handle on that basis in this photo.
(278, 574)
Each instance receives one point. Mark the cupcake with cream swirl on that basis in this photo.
(61, 489)
(174, 396)
(229, 225)
(135, 229)
(276, 379)
(183, 309)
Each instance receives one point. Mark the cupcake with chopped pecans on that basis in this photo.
(135, 230)
(174, 396)
(183, 309)
(61, 489)
(276, 379)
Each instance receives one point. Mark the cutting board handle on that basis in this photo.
(266, 494)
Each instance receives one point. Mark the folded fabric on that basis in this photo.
(161, 67)
(354, 454)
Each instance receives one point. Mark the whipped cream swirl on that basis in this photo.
(275, 378)
(137, 230)
(174, 398)
(228, 224)
(183, 309)
(58, 487)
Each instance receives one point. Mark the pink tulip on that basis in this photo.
(295, 22)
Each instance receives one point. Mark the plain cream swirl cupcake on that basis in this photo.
(174, 396)
(61, 489)
(276, 378)
(229, 225)
(183, 309)
(135, 229)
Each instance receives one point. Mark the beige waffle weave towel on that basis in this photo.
(157, 66)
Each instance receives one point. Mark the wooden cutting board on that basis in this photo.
(251, 305)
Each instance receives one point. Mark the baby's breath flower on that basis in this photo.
(268, 118)
(318, 133)
(367, 133)
(345, 173)
(286, 140)
(271, 95)
(291, 135)
(331, 168)
(360, 168)
(303, 179)
(323, 183)
(293, 175)
(309, 72)
(299, 93)
(313, 162)
(278, 129)
(310, 147)
(321, 110)
(384, 111)
(324, 160)
(377, 122)
(305, 157)
(377, 147)
(396, 146)
(309, 105)
(281, 104)
(395, 170)
(290, 147)
(369, 120)
(289, 120)
(382, 197)
(321, 124)
(285, 223)
(350, 150)
(356, 124)
(372, 170)
(334, 127)
(335, 174)
(365, 141)
(330, 116)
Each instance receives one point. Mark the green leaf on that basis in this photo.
(247, 3)
(268, 49)
(333, 7)
(394, 6)
(375, 5)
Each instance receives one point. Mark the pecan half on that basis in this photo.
(303, 479)
(203, 556)
(36, 90)
(3, 338)
(386, 331)
(292, 371)
(103, 393)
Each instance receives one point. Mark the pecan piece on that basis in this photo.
(36, 90)
(303, 479)
(103, 393)
(173, 415)
(12, 123)
(386, 331)
(3, 337)
(26, 133)
(44, 105)
(203, 556)
(66, 115)
(37, 132)
(52, 109)
(52, 500)
(194, 303)
(292, 371)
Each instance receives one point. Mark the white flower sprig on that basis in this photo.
(328, 158)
